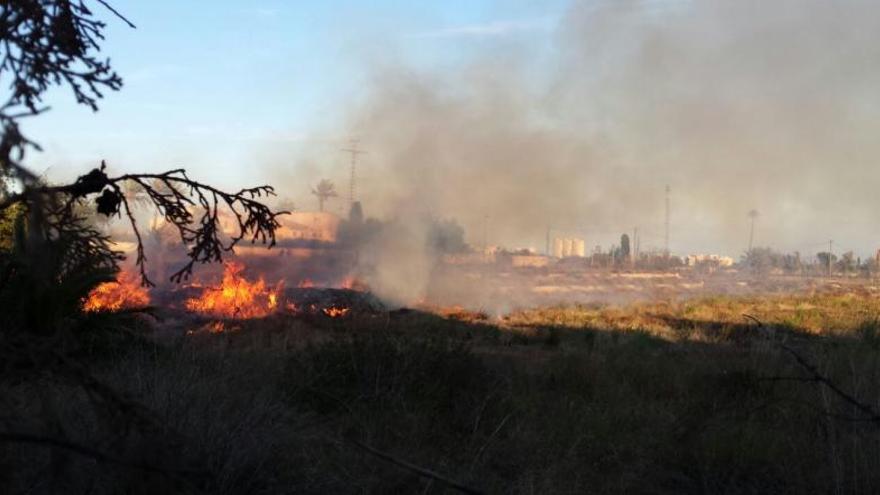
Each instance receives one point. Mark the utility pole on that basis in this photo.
(638, 243)
(354, 151)
(485, 251)
(666, 236)
(753, 214)
(485, 233)
(634, 251)
(830, 254)
(547, 242)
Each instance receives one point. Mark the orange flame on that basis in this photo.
(236, 297)
(336, 312)
(126, 292)
(216, 327)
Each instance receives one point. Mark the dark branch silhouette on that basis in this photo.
(193, 208)
(816, 376)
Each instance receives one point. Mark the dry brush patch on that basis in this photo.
(573, 399)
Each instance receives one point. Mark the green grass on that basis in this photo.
(648, 398)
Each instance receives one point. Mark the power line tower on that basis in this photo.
(354, 151)
(666, 235)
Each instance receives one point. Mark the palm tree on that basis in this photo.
(753, 214)
(324, 191)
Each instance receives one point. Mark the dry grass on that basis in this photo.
(648, 398)
(821, 315)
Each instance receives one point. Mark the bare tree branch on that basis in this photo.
(194, 208)
(116, 13)
(818, 377)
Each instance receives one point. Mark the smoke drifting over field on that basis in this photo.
(736, 104)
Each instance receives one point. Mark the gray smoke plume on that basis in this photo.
(736, 104)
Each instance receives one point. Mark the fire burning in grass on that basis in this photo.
(236, 297)
(336, 312)
(124, 293)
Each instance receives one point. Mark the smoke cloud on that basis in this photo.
(736, 104)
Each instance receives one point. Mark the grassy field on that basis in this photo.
(688, 397)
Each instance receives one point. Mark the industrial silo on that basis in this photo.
(579, 248)
(557, 247)
(567, 245)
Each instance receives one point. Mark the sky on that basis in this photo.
(570, 114)
(209, 83)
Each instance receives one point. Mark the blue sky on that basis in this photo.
(209, 83)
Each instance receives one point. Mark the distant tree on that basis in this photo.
(868, 266)
(847, 262)
(625, 252)
(791, 263)
(446, 237)
(356, 213)
(826, 260)
(762, 259)
(324, 191)
(357, 231)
